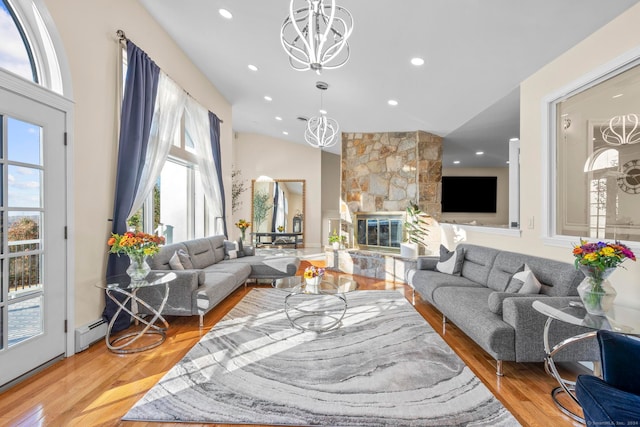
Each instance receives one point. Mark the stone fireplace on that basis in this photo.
(383, 172)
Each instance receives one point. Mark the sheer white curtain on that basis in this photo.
(170, 103)
(197, 121)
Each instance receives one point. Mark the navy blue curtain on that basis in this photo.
(274, 219)
(141, 88)
(214, 126)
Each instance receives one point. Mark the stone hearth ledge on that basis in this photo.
(386, 266)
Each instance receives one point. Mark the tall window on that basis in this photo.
(176, 209)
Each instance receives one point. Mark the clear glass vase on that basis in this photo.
(596, 291)
(138, 268)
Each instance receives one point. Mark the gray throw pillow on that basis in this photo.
(514, 283)
(175, 263)
(229, 247)
(524, 282)
(450, 261)
(240, 248)
(185, 259)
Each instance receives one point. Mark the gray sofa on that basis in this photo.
(504, 324)
(197, 290)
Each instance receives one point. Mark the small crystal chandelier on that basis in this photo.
(315, 35)
(321, 131)
(621, 130)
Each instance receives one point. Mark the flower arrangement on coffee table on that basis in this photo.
(313, 271)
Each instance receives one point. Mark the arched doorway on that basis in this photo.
(34, 117)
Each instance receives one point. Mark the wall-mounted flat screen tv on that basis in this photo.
(469, 194)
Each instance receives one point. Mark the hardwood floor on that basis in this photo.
(97, 387)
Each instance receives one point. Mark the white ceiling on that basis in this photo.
(476, 53)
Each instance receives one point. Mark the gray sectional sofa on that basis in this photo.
(504, 324)
(211, 278)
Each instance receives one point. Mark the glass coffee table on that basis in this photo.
(319, 307)
(620, 319)
(122, 290)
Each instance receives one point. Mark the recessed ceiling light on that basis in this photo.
(417, 61)
(284, 132)
(507, 162)
(252, 67)
(392, 102)
(456, 162)
(225, 13)
(323, 111)
(618, 95)
(479, 153)
(278, 118)
(514, 139)
(268, 98)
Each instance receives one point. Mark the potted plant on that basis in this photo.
(415, 227)
(336, 240)
(261, 208)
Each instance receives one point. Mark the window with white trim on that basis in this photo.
(597, 150)
(176, 209)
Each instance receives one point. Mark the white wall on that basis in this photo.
(88, 32)
(501, 217)
(260, 155)
(619, 36)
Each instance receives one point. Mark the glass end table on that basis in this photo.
(619, 319)
(122, 290)
(320, 307)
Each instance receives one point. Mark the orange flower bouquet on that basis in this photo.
(135, 244)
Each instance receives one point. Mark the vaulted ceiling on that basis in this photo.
(476, 54)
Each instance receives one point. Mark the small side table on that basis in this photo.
(619, 319)
(123, 285)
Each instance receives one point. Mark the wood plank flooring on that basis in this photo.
(97, 387)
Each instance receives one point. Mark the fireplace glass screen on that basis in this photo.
(379, 232)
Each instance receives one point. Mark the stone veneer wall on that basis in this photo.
(385, 171)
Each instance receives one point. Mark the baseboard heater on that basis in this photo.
(90, 333)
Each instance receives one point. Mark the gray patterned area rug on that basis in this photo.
(384, 366)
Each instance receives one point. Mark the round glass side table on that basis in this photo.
(122, 290)
(619, 319)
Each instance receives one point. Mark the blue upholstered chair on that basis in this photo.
(615, 399)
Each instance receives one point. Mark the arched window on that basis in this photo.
(602, 159)
(29, 49)
(15, 52)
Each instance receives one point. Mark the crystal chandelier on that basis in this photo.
(321, 131)
(621, 130)
(315, 35)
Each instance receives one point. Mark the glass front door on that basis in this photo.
(32, 231)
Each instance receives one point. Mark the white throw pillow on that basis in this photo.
(530, 284)
(450, 261)
(233, 254)
(175, 262)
